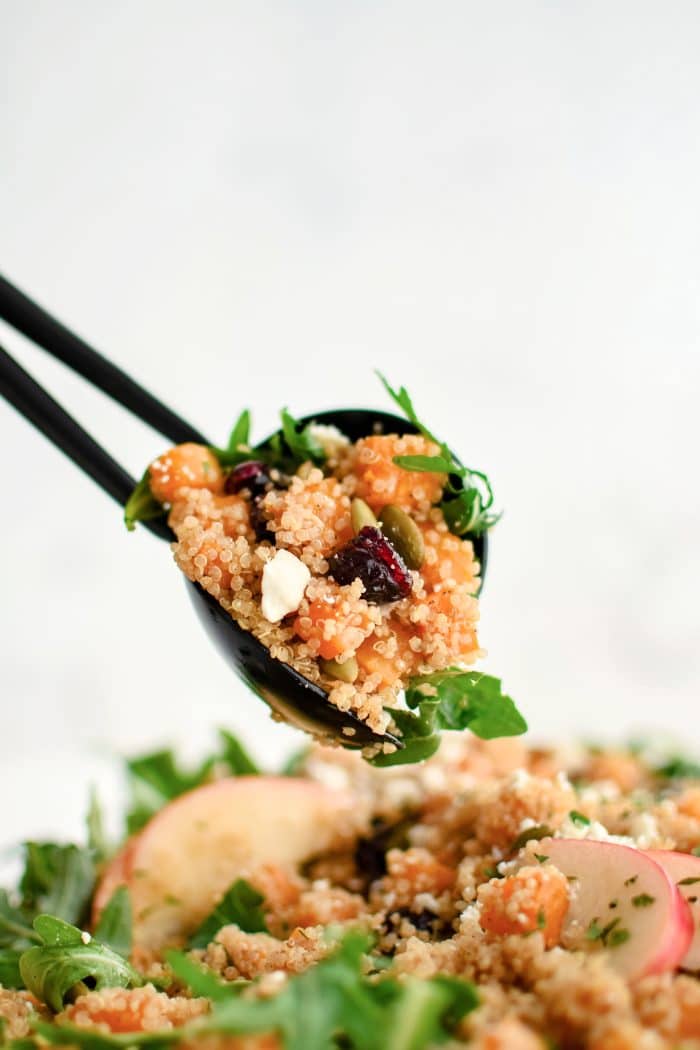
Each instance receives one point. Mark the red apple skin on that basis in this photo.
(680, 866)
(181, 863)
(607, 872)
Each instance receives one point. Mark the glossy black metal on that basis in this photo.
(291, 696)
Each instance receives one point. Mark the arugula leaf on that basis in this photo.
(291, 446)
(451, 699)
(97, 838)
(240, 905)
(15, 925)
(64, 960)
(235, 757)
(57, 879)
(678, 768)
(142, 504)
(333, 1003)
(467, 496)
(10, 977)
(115, 925)
(240, 434)
(199, 979)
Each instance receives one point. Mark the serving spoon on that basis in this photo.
(292, 697)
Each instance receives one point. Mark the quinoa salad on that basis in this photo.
(353, 562)
(495, 896)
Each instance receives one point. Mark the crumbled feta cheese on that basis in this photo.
(284, 581)
(85, 937)
(329, 438)
(572, 829)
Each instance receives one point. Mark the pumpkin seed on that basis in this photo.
(404, 534)
(345, 672)
(361, 515)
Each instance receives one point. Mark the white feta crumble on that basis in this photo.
(573, 829)
(85, 937)
(284, 581)
(329, 438)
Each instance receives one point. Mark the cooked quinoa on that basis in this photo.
(361, 645)
(452, 869)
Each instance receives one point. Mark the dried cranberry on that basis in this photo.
(371, 558)
(251, 475)
(259, 521)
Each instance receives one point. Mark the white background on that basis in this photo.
(257, 204)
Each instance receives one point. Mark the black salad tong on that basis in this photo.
(292, 698)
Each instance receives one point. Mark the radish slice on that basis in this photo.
(684, 869)
(625, 902)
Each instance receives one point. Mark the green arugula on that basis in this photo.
(451, 699)
(142, 504)
(332, 1004)
(96, 835)
(678, 768)
(156, 779)
(10, 977)
(57, 879)
(114, 928)
(240, 905)
(468, 497)
(68, 958)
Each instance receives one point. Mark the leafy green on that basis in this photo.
(15, 925)
(678, 768)
(332, 1004)
(10, 977)
(97, 838)
(467, 497)
(142, 504)
(156, 779)
(451, 699)
(114, 928)
(240, 905)
(199, 979)
(234, 756)
(292, 445)
(240, 434)
(57, 879)
(579, 819)
(68, 957)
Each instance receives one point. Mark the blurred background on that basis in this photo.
(257, 205)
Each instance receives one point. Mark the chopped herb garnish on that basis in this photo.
(451, 699)
(631, 880)
(610, 935)
(617, 937)
(643, 900)
(467, 498)
(593, 930)
(678, 768)
(540, 831)
(579, 819)
(613, 904)
(541, 858)
(239, 905)
(690, 881)
(541, 920)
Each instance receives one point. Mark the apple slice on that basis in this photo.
(180, 865)
(626, 902)
(684, 869)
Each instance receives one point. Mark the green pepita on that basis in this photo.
(404, 534)
(361, 515)
(347, 671)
